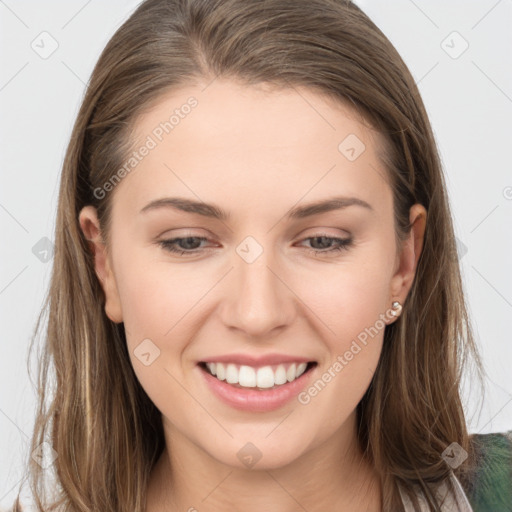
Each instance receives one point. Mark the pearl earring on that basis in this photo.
(396, 308)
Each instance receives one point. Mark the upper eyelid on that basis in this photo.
(320, 232)
(206, 238)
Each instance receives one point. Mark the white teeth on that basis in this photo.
(301, 368)
(231, 374)
(249, 377)
(220, 371)
(280, 375)
(291, 372)
(264, 377)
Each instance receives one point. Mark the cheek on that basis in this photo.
(350, 296)
(160, 304)
(155, 296)
(351, 299)
(351, 303)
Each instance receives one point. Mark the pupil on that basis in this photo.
(321, 238)
(188, 241)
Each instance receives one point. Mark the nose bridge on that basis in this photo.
(259, 301)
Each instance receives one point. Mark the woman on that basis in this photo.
(256, 301)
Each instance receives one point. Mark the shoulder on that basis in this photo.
(489, 488)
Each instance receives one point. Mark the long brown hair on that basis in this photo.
(106, 432)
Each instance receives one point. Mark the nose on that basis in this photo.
(258, 300)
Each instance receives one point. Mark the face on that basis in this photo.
(268, 285)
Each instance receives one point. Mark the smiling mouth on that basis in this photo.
(263, 378)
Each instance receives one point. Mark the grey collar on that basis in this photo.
(449, 502)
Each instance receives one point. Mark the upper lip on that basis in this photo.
(248, 360)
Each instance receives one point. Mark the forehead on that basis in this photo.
(252, 142)
(252, 117)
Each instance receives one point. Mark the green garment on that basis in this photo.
(490, 489)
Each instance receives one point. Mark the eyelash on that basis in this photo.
(342, 244)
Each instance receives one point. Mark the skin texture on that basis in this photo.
(255, 152)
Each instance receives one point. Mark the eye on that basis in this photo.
(340, 244)
(189, 244)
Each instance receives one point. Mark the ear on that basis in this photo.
(90, 226)
(408, 257)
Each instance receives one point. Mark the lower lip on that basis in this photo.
(255, 400)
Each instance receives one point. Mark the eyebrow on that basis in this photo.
(213, 211)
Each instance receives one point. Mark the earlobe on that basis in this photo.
(411, 250)
(90, 227)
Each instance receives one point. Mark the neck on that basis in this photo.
(331, 476)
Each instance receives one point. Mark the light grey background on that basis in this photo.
(468, 98)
